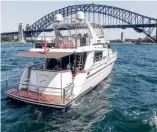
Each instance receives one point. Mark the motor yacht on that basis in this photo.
(76, 60)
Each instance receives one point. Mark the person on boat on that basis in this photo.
(84, 39)
(56, 67)
(70, 66)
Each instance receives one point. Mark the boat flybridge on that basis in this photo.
(76, 60)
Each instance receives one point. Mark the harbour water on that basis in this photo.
(125, 102)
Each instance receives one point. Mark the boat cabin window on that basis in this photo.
(64, 63)
(98, 55)
(52, 64)
(62, 33)
(68, 63)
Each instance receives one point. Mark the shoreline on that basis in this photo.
(125, 43)
(112, 42)
(15, 43)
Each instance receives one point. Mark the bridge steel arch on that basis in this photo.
(126, 16)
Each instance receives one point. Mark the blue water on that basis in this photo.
(125, 102)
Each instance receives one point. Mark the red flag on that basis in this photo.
(45, 46)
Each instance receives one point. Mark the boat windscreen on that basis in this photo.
(71, 26)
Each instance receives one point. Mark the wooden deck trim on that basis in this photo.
(33, 97)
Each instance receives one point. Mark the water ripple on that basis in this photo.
(125, 102)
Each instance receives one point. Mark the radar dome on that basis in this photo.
(80, 15)
(58, 18)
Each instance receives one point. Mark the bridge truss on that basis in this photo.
(108, 16)
(103, 14)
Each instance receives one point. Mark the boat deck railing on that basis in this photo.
(66, 42)
(65, 92)
(40, 67)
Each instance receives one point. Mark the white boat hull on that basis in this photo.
(74, 64)
(87, 81)
(95, 78)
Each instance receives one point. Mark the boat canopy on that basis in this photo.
(55, 55)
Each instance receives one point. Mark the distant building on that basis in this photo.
(154, 36)
(147, 38)
(122, 37)
(15, 37)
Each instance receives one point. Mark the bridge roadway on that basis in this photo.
(104, 26)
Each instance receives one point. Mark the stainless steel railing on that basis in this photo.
(64, 95)
(78, 42)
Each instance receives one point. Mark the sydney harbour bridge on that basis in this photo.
(107, 16)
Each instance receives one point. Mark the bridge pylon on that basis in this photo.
(21, 35)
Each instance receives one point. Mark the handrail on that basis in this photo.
(84, 41)
(63, 95)
(39, 86)
(45, 86)
(41, 69)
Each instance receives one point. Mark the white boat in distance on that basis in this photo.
(77, 60)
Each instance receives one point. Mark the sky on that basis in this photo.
(27, 12)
